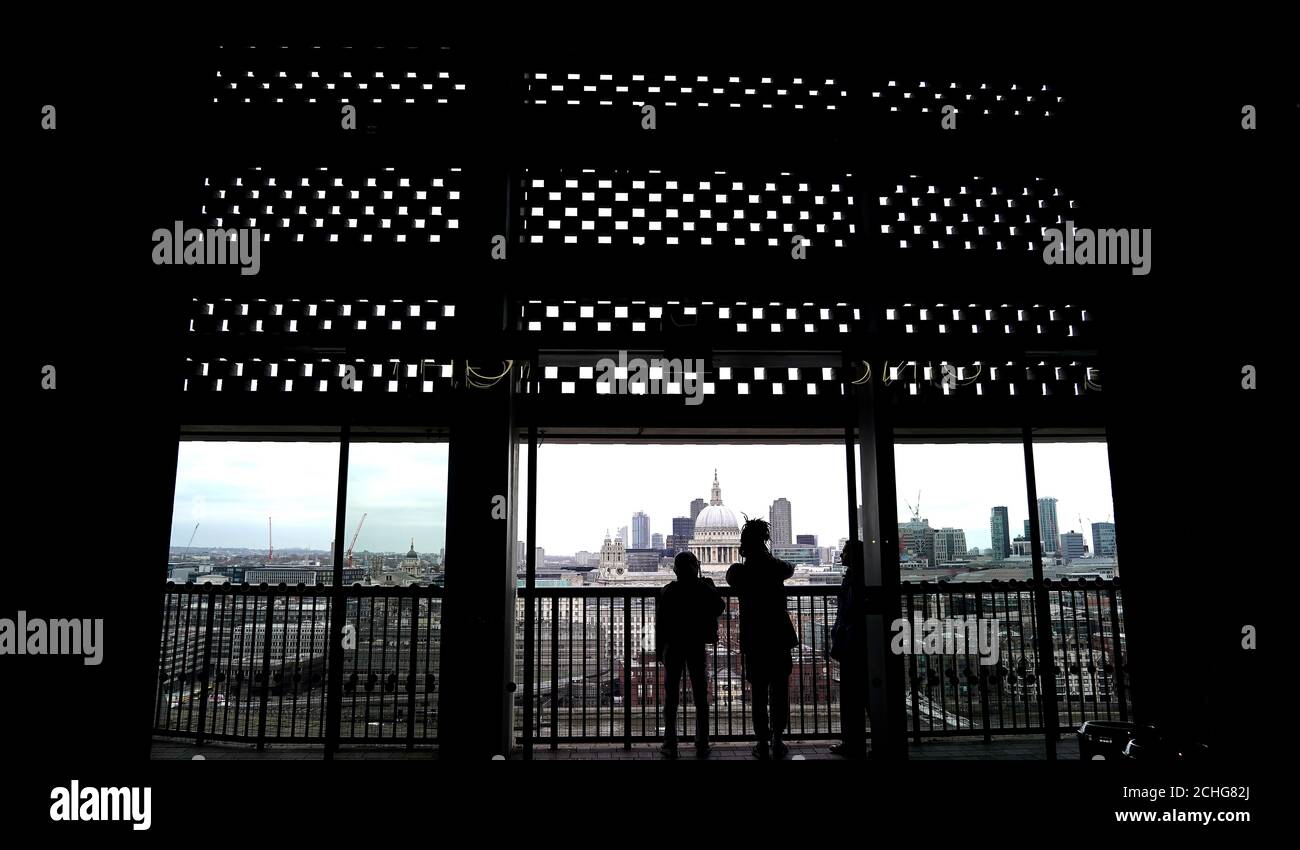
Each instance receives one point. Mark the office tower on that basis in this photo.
(1103, 539)
(1000, 532)
(539, 556)
(683, 531)
(1071, 547)
(780, 520)
(1047, 526)
(697, 505)
(805, 540)
(916, 539)
(622, 535)
(1026, 535)
(656, 541)
(949, 545)
(640, 530)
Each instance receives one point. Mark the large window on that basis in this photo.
(962, 509)
(610, 520)
(1075, 509)
(255, 511)
(396, 513)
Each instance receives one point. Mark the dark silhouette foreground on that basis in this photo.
(766, 634)
(687, 622)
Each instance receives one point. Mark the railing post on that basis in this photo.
(984, 674)
(913, 679)
(166, 654)
(627, 672)
(1117, 660)
(555, 672)
(410, 678)
(266, 670)
(206, 668)
(338, 605)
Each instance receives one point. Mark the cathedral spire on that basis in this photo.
(716, 496)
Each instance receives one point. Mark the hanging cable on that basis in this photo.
(482, 382)
(866, 374)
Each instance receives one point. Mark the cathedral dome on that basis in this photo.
(716, 541)
(716, 518)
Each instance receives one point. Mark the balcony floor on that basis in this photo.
(1026, 748)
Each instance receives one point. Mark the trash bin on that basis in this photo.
(1104, 738)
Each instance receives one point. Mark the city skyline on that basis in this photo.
(231, 487)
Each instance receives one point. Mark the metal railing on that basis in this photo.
(250, 663)
(955, 694)
(594, 676)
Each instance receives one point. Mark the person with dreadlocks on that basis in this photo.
(766, 634)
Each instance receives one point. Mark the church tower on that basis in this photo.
(613, 559)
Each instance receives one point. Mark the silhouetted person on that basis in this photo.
(849, 648)
(766, 634)
(686, 623)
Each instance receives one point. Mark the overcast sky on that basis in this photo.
(231, 488)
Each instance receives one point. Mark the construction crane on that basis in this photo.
(915, 509)
(270, 544)
(186, 553)
(354, 539)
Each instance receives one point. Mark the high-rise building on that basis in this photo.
(1026, 535)
(697, 505)
(640, 530)
(622, 535)
(539, 558)
(1103, 539)
(1047, 526)
(1000, 530)
(805, 540)
(656, 541)
(779, 515)
(1071, 547)
(683, 531)
(949, 545)
(916, 538)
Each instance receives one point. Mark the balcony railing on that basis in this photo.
(250, 663)
(593, 677)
